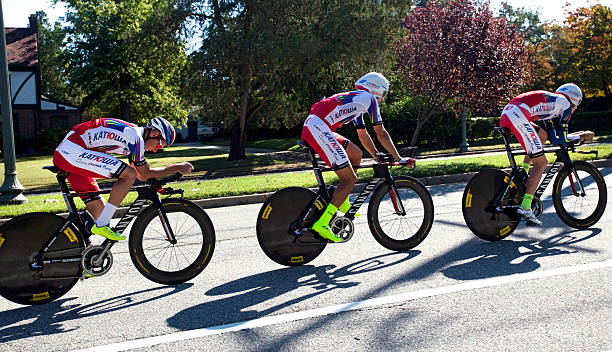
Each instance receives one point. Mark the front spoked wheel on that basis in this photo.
(168, 263)
(395, 231)
(580, 195)
(276, 223)
(21, 239)
(489, 216)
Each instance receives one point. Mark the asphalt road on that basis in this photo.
(542, 289)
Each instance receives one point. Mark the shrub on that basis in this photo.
(47, 140)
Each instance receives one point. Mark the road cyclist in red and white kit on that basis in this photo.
(553, 111)
(339, 153)
(85, 155)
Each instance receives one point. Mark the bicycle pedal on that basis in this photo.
(530, 223)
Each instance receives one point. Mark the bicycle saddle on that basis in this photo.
(54, 169)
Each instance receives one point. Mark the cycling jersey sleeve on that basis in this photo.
(374, 112)
(137, 150)
(358, 122)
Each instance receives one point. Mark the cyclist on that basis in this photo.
(339, 153)
(553, 110)
(84, 154)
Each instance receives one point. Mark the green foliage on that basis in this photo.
(127, 57)
(47, 140)
(596, 121)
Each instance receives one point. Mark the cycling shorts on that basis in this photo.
(84, 166)
(517, 119)
(329, 145)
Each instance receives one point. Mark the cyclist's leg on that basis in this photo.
(320, 137)
(543, 138)
(353, 152)
(516, 119)
(84, 166)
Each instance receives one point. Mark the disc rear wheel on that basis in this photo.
(21, 240)
(486, 219)
(274, 227)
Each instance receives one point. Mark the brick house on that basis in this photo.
(32, 111)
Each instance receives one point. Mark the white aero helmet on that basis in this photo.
(375, 83)
(571, 92)
(165, 128)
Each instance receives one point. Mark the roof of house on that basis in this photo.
(22, 50)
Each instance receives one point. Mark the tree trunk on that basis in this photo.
(420, 123)
(238, 138)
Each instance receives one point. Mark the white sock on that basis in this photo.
(106, 215)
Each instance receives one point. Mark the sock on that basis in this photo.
(106, 215)
(345, 206)
(526, 167)
(328, 214)
(527, 201)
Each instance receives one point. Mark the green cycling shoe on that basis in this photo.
(325, 232)
(106, 232)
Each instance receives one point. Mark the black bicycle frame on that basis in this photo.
(145, 194)
(562, 159)
(381, 174)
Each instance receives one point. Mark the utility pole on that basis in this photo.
(464, 146)
(11, 191)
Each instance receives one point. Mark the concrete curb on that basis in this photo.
(261, 197)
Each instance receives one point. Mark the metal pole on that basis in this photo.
(464, 146)
(11, 190)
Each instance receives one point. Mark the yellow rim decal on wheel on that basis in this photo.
(70, 234)
(266, 212)
(504, 231)
(1, 240)
(319, 205)
(296, 259)
(40, 296)
(468, 200)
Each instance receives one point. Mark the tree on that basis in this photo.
(581, 50)
(127, 55)
(536, 35)
(54, 62)
(458, 56)
(257, 54)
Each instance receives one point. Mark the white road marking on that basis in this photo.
(374, 302)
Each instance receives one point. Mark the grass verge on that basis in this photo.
(232, 186)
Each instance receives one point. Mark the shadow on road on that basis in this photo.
(47, 319)
(246, 293)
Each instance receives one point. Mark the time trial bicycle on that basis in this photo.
(43, 255)
(400, 215)
(492, 196)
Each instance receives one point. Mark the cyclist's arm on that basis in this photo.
(385, 140)
(367, 142)
(146, 172)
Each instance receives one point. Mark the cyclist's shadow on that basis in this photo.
(510, 256)
(47, 319)
(271, 285)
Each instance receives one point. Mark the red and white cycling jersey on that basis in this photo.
(537, 105)
(84, 152)
(329, 114)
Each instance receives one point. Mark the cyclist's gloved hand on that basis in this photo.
(410, 162)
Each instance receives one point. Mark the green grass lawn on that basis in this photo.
(231, 186)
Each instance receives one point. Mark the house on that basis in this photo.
(32, 111)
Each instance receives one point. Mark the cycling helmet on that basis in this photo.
(375, 83)
(165, 128)
(571, 92)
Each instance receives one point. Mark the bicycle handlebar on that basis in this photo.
(159, 182)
